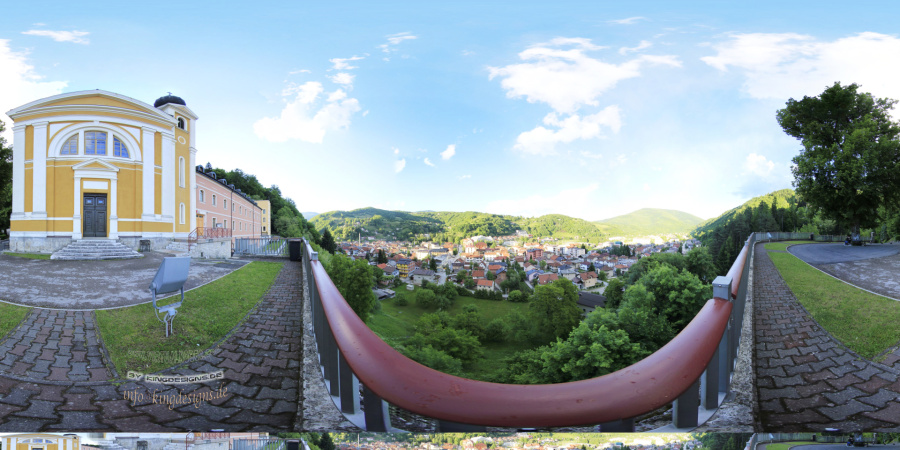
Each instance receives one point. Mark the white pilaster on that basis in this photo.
(192, 206)
(76, 218)
(39, 172)
(148, 153)
(114, 209)
(169, 172)
(18, 203)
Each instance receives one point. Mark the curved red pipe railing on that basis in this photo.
(637, 389)
(737, 270)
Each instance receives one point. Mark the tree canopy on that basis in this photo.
(850, 162)
(5, 183)
(354, 280)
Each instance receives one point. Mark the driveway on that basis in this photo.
(93, 284)
(873, 267)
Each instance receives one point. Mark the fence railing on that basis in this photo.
(693, 369)
(786, 236)
(261, 246)
(207, 233)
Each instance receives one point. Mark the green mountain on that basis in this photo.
(653, 221)
(447, 226)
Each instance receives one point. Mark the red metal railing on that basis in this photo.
(207, 233)
(350, 351)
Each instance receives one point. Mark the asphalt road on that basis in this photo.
(817, 254)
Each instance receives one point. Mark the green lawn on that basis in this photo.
(10, 317)
(396, 323)
(29, 255)
(207, 315)
(864, 322)
(783, 245)
(787, 445)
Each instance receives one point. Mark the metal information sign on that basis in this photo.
(170, 277)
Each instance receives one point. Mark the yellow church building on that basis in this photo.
(40, 441)
(95, 164)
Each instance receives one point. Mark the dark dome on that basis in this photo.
(168, 99)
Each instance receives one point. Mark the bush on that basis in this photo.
(517, 297)
(425, 298)
(401, 301)
(443, 303)
(495, 331)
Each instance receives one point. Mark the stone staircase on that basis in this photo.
(95, 249)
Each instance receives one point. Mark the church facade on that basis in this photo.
(96, 164)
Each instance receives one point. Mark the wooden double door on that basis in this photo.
(94, 214)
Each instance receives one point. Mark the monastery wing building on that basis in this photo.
(100, 165)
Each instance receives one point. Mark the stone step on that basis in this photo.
(93, 250)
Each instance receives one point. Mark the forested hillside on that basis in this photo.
(445, 226)
(654, 221)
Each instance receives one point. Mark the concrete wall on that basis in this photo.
(213, 249)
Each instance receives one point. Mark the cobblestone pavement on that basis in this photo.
(259, 390)
(55, 345)
(806, 380)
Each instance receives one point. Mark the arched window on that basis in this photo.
(181, 171)
(181, 213)
(70, 147)
(202, 196)
(119, 148)
(180, 123)
(94, 143)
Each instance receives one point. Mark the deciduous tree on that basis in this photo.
(354, 280)
(850, 161)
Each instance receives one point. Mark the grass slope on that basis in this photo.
(866, 323)
(207, 315)
(394, 324)
(10, 317)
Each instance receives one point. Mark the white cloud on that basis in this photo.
(295, 72)
(758, 165)
(344, 63)
(589, 155)
(570, 202)
(75, 37)
(641, 46)
(628, 21)
(394, 40)
(19, 84)
(428, 162)
(464, 177)
(467, 53)
(307, 118)
(790, 65)
(621, 159)
(447, 154)
(399, 165)
(542, 141)
(396, 150)
(567, 78)
(343, 78)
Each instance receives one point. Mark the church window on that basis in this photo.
(180, 123)
(95, 143)
(119, 148)
(70, 147)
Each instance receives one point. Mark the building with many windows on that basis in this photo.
(94, 164)
(100, 165)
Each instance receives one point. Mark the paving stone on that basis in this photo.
(40, 409)
(890, 414)
(881, 398)
(794, 405)
(19, 397)
(78, 420)
(799, 369)
(846, 410)
(844, 395)
(18, 424)
(844, 381)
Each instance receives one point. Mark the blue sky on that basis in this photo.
(589, 109)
